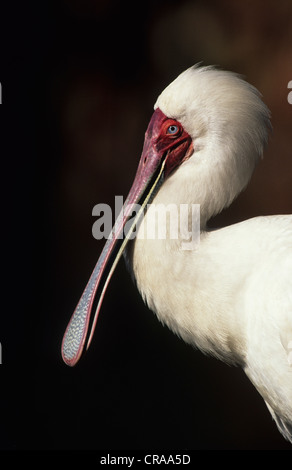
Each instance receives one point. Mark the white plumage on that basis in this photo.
(232, 295)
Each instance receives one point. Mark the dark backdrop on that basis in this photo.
(79, 80)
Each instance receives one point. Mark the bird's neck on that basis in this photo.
(212, 178)
(188, 283)
(190, 292)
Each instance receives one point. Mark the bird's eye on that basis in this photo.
(172, 129)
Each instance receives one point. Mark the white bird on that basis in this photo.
(231, 295)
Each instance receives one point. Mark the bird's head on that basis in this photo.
(228, 126)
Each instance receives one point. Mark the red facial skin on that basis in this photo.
(166, 143)
(177, 145)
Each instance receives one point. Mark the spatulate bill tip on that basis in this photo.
(73, 344)
(70, 362)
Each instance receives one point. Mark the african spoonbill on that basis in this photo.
(230, 296)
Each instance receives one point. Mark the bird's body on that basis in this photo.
(228, 298)
(231, 295)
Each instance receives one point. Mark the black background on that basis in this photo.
(79, 80)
